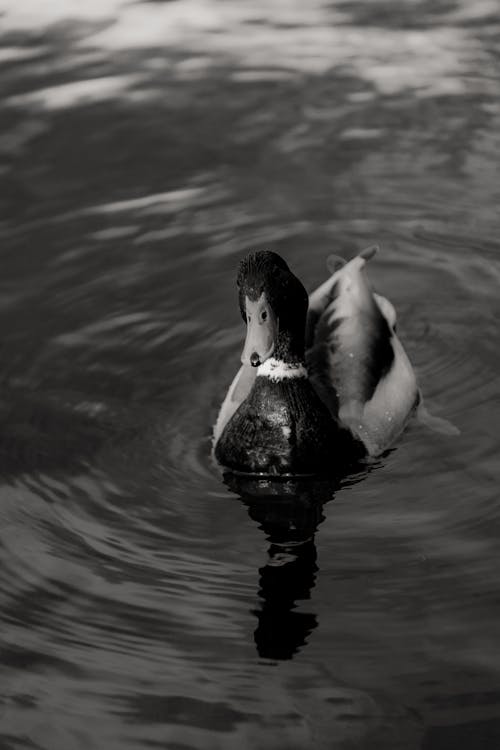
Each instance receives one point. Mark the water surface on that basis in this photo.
(145, 602)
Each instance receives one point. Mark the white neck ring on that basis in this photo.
(276, 369)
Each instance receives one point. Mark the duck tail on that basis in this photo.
(369, 252)
(321, 297)
(335, 262)
(436, 424)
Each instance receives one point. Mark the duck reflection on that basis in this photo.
(286, 579)
(288, 511)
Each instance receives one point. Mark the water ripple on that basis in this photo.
(146, 599)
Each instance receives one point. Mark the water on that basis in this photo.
(144, 148)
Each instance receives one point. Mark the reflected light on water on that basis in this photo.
(270, 40)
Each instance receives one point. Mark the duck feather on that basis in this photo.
(355, 359)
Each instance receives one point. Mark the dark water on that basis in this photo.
(144, 147)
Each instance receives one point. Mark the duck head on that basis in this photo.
(273, 304)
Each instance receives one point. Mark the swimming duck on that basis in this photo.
(324, 380)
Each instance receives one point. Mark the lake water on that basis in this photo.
(144, 148)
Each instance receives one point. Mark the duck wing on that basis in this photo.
(237, 393)
(356, 362)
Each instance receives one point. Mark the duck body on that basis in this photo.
(356, 361)
(281, 427)
(323, 380)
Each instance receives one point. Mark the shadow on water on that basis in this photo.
(289, 512)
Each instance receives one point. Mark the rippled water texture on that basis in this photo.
(145, 602)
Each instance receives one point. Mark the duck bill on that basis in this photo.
(262, 329)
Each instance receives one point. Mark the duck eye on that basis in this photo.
(264, 315)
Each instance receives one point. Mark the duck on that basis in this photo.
(324, 379)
